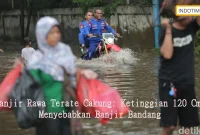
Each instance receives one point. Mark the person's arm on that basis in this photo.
(81, 34)
(88, 73)
(195, 25)
(109, 29)
(1, 51)
(81, 28)
(81, 39)
(198, 20)
(166, 40)
(74, 77)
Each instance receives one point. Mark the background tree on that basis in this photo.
(86, 4)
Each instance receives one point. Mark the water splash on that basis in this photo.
(126, 57)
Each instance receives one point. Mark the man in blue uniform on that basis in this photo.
(97, 27)
(82, 26)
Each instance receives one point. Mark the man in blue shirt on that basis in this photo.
(97, 27)
(82, 26)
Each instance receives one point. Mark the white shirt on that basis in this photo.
(27, 54)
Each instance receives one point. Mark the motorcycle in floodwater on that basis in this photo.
(105, 46)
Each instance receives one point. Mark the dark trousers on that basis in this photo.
(54, 127)
(92, 49)
(179, 108)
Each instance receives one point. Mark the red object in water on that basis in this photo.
(7, 85)
(94, 91)
(114, 47)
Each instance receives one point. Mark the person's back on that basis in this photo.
(27, 52)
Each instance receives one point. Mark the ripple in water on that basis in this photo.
(124, 58)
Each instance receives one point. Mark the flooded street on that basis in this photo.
(133, 74)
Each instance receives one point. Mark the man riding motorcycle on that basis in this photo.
(83, 38)
(97, 27)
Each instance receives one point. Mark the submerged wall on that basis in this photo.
(133, 23)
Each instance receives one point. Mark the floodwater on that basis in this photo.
(133, 74)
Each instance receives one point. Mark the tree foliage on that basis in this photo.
(86, 4)
(110, 8)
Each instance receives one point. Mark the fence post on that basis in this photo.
(4, 31)
(12, 4)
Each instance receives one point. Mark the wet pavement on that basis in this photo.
(135, 78)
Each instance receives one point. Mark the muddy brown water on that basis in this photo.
(138, 82)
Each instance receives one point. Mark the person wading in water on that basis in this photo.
(48, 66)
(177, 75)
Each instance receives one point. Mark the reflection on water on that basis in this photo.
(134, 79)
